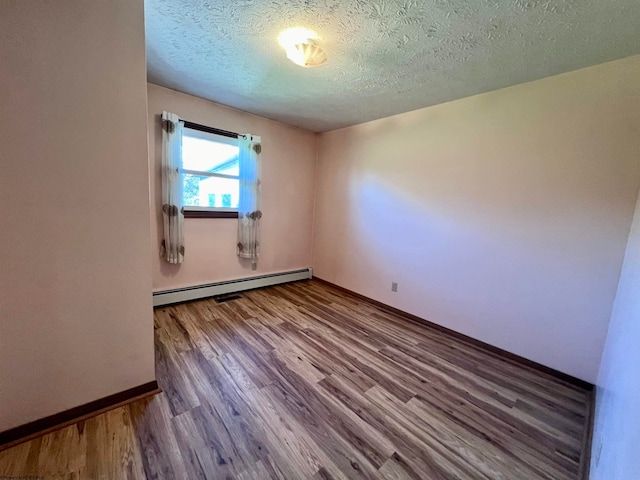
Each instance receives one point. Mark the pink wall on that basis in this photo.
(617, 422)
(288, 156)
(503, 216)
(75, 283)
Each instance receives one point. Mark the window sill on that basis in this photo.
(209, 214)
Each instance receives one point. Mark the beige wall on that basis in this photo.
(503, 216)
(75, 283)
(288, 156)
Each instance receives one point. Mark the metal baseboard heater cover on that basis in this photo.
(167, 297)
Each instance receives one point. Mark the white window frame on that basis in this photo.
(199, 211)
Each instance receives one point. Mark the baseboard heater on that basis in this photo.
(167, 297)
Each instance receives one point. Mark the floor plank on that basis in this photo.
(305, 381)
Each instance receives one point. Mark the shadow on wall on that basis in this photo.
(170, 269)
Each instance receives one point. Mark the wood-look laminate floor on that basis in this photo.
(303, 381)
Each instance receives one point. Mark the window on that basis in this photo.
(210, 174)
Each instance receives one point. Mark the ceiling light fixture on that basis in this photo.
(302, 47)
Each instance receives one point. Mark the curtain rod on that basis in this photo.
(217, 131)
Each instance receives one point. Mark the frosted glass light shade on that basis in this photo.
(306, 54)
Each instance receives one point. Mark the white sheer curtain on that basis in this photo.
(172, 248)
(249, 213)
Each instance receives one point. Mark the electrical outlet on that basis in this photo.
(394, 286)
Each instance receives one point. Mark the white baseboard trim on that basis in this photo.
(167, 297)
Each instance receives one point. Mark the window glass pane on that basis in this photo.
(202, 191)
(206, 152)
(233, 169)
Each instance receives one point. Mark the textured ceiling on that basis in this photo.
(385, 56)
